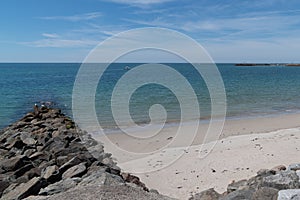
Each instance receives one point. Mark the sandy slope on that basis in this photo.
(245, 147)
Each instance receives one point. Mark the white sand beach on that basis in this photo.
(244, 147)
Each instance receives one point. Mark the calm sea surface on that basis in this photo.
(250, 91)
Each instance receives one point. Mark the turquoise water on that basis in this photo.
(251, 91)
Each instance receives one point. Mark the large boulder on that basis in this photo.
(13, 163)
(32, 187)
(265, 193)
(75, 171)
(116, 192)
(239, 195)
(209, 194)
(58, 187)
(291, 194)
(282, 180)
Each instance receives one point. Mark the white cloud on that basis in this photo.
(61, 43)
(258, 26)
(139, 2)
(155, 22)
(74, 18)
(54, 40)
(50, 35)
(246, 23)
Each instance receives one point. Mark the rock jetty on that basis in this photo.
(45, 155)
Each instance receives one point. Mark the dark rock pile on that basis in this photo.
(278, 183)
(45, 154)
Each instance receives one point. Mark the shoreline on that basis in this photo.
(244, 147)
(231, 119)
(232, 127)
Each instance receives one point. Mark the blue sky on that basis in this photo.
(230, 30)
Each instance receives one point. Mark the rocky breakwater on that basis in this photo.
(280, 183)
(45, 156)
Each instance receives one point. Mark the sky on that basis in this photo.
(230, 30)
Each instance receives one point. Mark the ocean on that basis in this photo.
(250, 91)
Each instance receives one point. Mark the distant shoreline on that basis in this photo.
(269, 64)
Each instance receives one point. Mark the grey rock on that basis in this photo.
(294, 167)
(72, 162)
(43, 138)
(282, 180)
(75, 171)
(11, 187)
(291, 194)
(27, 138)
(57, 121)
(9, 137)
(244, 194)
(14, 151)
(154, 191)
(255, 182)
(61, 160)
(95, 169)
(36, 198)
(85, 156)
(17, 143)
(73, 147)
(33, 173)
(46, 148)
(36, 122)
(23, 170)
(77, 179)
(51, 174)
(108, 162)
(236, 185)
(298, 174)
(117, 192)
(97, 152)
(90, 142)
(20, 124)
(265, 193)
(266, 172)
(54, 145)
(29, 152)
(49, 171)
(58, 187)
(209, 194)
(44, 164)
(55, 134)
(3, 185)
(101, 178)
(29, 141)
(13, 163)
(5, 134)
(39, 155)
(24, 190)
(115, 170)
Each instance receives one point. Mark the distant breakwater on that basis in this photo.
(269, 64)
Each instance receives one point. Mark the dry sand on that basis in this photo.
(244, 147)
